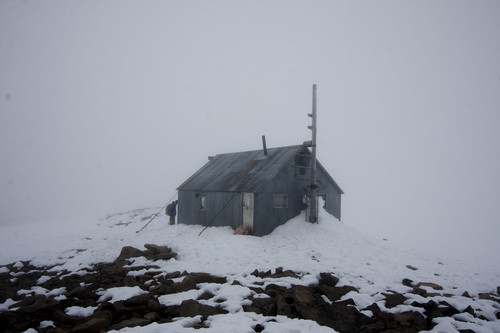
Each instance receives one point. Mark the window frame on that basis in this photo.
(284, 200)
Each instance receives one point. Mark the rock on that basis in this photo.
(129, 252)
(411, 267)
(303, 295)
(394, 299)
(470, 310)
(487, 296)
(187, 283)
(498, 290)
(38, 303)
(430, 285)
(258, 328)
(335, 293)
(407, 282)
(327, 279)
(94, 325)
(191, 308)
(130, 323)
(282, 274)
(162, 256)
(156, 249)
(208, 278)
(273, 290)
(411, 319)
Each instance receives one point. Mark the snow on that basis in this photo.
(79, 311)
(369, 264)
(116, 294)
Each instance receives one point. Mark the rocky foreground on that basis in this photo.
(40, 298)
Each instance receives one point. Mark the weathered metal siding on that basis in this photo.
(267, 217)
(221, 208)
(333, 193)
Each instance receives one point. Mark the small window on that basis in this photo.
(280, 201)
(203, 202)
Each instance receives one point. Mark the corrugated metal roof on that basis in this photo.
(242, 171)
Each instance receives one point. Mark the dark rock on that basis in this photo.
(186, 284)
(156, 249)
(374, 308)
(94, 325)
(447, 310)
(191, 308)
(258, 328)
(335, 293)
(173, 275)
(206, 296)
(282, 274)
(487, 296)
(407, 282)
(327, 279)
(130, 323)
(273, 290)
(394, 299)
(163, 256)
(430, 285)
(411, 267)
(37, 303)
(264, 306)
(498, 290)
(470, 310)
(208, 278)
(303, 295)
(419, 291)
(411, 319)
(129, 252)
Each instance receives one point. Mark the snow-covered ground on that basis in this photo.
(369, 264)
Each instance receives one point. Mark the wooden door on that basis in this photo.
(247, 210)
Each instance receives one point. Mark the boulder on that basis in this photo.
(407, 282)
(328, 279)
(303, 295)
(157, 249)
(429, 285)
(393, 299)
(130, 323)
(411, 319)
(129, 252)
(94, 325)
(208, 278)
(191, 308)
(162, 256)
(335, 293)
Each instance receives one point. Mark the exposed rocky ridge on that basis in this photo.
(40, 294)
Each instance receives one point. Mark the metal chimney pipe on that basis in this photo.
(264, 145)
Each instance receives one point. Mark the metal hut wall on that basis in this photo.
(260, 189)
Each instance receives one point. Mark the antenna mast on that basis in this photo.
(313, 210)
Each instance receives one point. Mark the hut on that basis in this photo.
(258, 189)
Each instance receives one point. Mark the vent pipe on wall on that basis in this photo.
(264, 147)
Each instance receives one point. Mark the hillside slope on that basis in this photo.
(372, 267)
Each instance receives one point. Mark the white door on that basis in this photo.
(247, 210)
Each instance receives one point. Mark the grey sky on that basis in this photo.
(110, 105)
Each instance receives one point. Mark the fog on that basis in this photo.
(108, 106)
